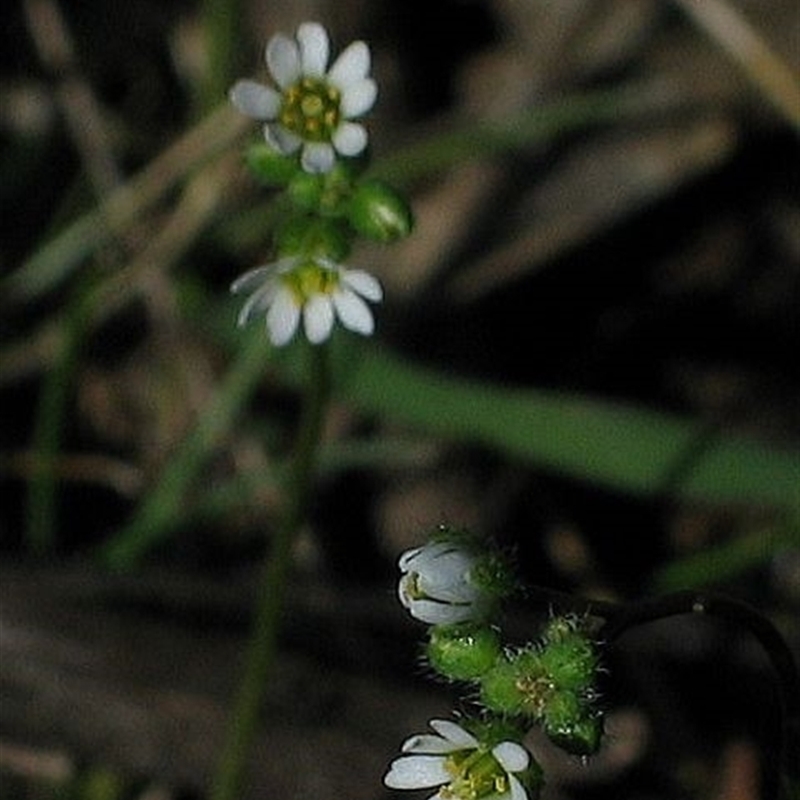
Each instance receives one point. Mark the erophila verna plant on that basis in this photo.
(315, 152)
(314, 157)
(456, 584)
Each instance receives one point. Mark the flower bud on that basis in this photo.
(269, 166)
(463, 652)
(499, 690)
(517, 684)
(437, 584)
(313, 237)
(571, 725)
(305, 190)
(377, 212)
(571, 662)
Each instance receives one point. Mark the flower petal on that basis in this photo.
(353, 312)
(407, 558)
(454, 733)
(517, 789)
(427, 743)
(416, 772)
(359, 97)
(512, 757)
(255, 100)
(318, 318)
(314, 49)
(433, 612)
(350, 138)
(280, 139)
(368, 286)
(283, 317)
(283, 60)
(317, 157)
(257, 303)
(252, 279)
(351, 66)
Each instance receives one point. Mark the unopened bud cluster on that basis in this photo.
(457, 585)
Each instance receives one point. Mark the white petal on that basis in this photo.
(350, 138)
(318, 318)
(454, 733)
(314, 48)
(436, 613)
(359, 98)
(407, 558)
(448, 579)
(252, 279)
(517, 789)
(317, 157)
(513, 757)
(255, 100)
(427, 743)
(283, 318)
(282, 140)
(351, 66)
(368, 286)
(416, 772)
(257, 303)
(353, 312)
(283, 60)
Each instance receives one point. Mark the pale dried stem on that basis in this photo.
(761, 63)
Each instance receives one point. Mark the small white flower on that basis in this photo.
(313, 107)
(463, 767)
(316, 289)
(437, 585)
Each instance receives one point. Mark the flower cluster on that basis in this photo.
(455, 585)
(310, 149)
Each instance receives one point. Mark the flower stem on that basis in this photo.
(262, 648)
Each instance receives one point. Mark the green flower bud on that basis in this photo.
(571, 663)
(518, 684)
(270, 167)
(316, 238)
(377, 212)
(305, 190)
(571, 725)
(499, 690)
(463, 652)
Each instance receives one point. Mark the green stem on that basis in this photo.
(263, 642)
(42, 495)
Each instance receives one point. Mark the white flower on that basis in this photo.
(463, 767)
(311, 108)
(437, 585)
(312, 287)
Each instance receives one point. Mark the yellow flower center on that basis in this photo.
(311, 109)
(308, 279)
(476, 774)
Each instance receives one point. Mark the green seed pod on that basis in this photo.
(270, 167)
(463, 652)
(377, 212)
